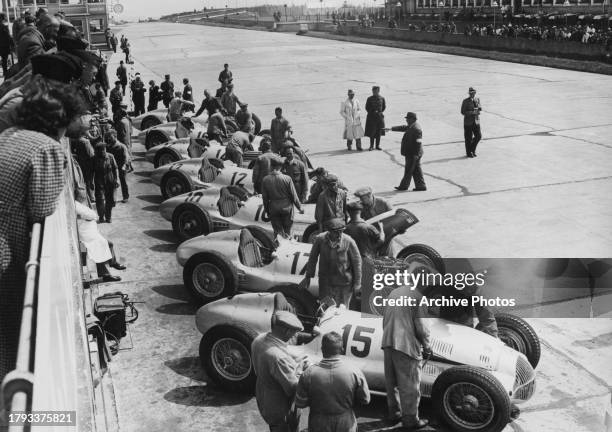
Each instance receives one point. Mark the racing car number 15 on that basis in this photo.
(361, 335)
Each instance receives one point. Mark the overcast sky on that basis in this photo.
(156, 8)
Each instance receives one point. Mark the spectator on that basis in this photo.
(138, 95)
(126, 51)
(123, 126)
(122, 76)
(83, 151)
(375, 120)
(100, 100)
(350, 110)
(37, 40)
(6, 44)
(114, 43)
(122, 158)
(106, 180)
(116, 97)
(30, 182)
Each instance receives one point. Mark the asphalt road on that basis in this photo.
(540, 187)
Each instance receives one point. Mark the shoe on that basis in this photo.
(416, 426)
(124, 200)
(378, 148)
(394, 419)
(474, 155)
(110, 278)
(101, 220)
(359, 149)
(370, 149)
(349, 148)
(470, 156)
(400, 189)
(118, 266)
(419, 189)
(515, 412)
(108, 220)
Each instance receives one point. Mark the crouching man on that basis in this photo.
(331, 388)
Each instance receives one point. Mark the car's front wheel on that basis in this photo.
(149, 122)
(173, 184)
(209, 277)
(225, 353)
(520, 336)
(165, 157)
(470, 399)
(155, 137)
(189, 220)
(423, 254)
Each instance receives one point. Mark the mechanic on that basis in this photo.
(123, 126)
(138, 95)
(279, 129)
(331, 202)
(465, 315)
(470, 109)
(261, 168)
(296, 170)
(366, 236)
(106, 179)
(216, 126)
(405, 342)
(155, 95)
(230, 101)
(122, 158)
(298, 153)
(372, 205)
(244, 119)
(331, 387)
(237, 145)
(318, 175)
(167, 88)
(226, 75)
(277, 371)
(209, 104)
(177, 107)
(221, 90)
(339, 264)
(116, 97)
(279, 197)
(412, 150)
(188, 93)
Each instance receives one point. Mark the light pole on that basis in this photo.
(566, 3)
(398, 5)
(321, 11)
(494, 4)
(285, 5)
(441, 5)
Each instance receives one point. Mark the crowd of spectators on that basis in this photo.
(48, 98)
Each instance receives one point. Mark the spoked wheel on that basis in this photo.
(189, 221)
(165, 158)
(209, 277)
(208, 280)
(468, 405)
(231, 359)
(520, 336)
(423, 254)
(173, 184)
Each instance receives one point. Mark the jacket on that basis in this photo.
(411, 141)
(471, 111)
(278, 194)
(338, 266)
(31, 42)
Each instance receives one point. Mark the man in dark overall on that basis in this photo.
(167, 88)
(106, 178)
(412, 150)
(470, 109)
(375, 120)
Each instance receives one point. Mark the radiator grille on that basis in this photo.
(524, 381)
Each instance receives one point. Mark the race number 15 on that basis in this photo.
(361, 341)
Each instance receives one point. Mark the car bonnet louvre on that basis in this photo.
(441, 348)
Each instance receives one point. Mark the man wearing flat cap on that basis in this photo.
(331, 203)
(277, 370)
(366, 236)
(339, 263)
(470, 109)
(372, 205)
(167, 88)
(279, 197)
(412, 150)
(116, 97)
(244, 119)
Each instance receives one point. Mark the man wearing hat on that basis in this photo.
(372, 205)
(279, 198)
(116, 97)
(366, 236)
(122, 76)
(339, 263)
(279, 129)
(138, 94)
(412, 150)
(237, 145)
(277, 370)
(244, 119)
(167, 88)
(261, 168)
(37, 40)
(470, 109)
(155, 96)
(318, 175)
(122, 158)
(350, 110)
(296, 170)
(106, 180)
(375, 120)
(123, 125)
(331, 202)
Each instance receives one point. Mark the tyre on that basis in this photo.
(231, 126)
(148, 122)
(209, 277)
(263, 236)
(469, 399)
(424, 254)
(174, 183)
(264, 132)
(520, 336)
(310, 233)
(165, 157)
(225, 354)
(188, 221)
(302, 301)
(257, 122)
(155, 137)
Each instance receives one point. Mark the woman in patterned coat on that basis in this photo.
(31, 178)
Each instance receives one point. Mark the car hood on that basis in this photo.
(221, 242)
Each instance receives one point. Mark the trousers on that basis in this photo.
(105, 200)
(341, 294)
(412, 169)
(102, 268)
(281, 224)
(402, 383)
(472, 136)
(124, 187)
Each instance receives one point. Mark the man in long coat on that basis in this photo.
(375, 121)
(350, 110)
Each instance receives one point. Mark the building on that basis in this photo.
(88, 16)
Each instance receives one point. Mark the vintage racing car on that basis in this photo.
(181, 177)
(204, 211)
(223, 263)
(166, 132)
(472, 378)
(150, 119)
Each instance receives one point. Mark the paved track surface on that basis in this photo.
(540, 187)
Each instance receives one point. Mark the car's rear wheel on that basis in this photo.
(173, 184)
(423, 254)
(469, 399)
(165, 157)
(225, 353)
(520, 336)
(148, 122)
(209, 277)
(155, 137)
(310, 233)
(188, 221)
